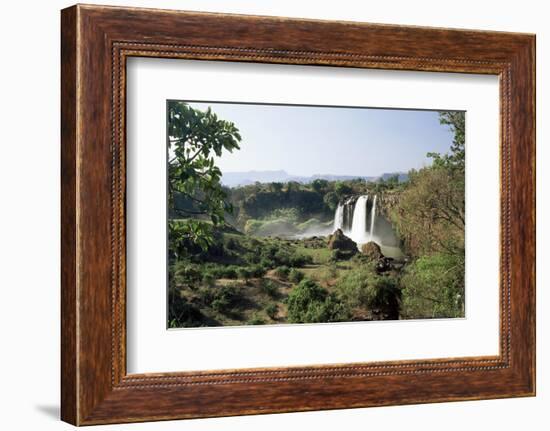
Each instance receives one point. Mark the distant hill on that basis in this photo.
(402, 176)
(236, 179)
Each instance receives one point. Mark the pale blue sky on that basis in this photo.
(306, 140)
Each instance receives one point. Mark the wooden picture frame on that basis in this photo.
(95, 43)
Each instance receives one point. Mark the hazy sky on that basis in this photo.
(305, 140)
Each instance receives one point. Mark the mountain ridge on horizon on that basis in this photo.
(243, 178)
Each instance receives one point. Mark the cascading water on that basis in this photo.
(339, 217)
(372, 218)
(359, 223)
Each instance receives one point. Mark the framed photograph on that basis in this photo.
(266, 215)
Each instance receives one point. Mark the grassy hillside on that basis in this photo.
(245, 280)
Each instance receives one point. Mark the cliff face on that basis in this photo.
(386, 202)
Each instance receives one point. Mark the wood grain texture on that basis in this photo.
(96, 41)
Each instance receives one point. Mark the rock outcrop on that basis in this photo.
(372, 251)
(339, 241)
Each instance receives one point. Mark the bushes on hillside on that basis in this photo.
(295, 276)
(181, 313)
(271, 310)
(310, 303)
(363, 288)
(282, 271)
(270, 288)
(225, 299)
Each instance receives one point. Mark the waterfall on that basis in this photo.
(339, 217)
(354, 214)
(359, 222)
(372, 217)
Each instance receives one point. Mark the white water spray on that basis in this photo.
(372, 218)
(359, 223)
(339, 217)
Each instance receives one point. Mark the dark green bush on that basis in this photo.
(256, 271)
(231, 244)
(256, 320)
(363, 288)
(269, 288)
(271, 310)
(282, 271)
(185, 274)
(208, 277)
(433, 286)
(295, 276)
(182, 314)
(310, 303)
(243, 273)
(225, 299)
(229, 272)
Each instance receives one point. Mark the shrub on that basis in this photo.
(433, 286)
(182, 314)
(252, 258)
(229, 272)
(269, 288)
(186, 274)
(231, 244)
(256, 320)
(225, 299)
(256, 271)
(363, 288)
(208, 277)
(243, 273)
(295, 276)
(310, 303)
(299, 260)
(267, 263)
(282, 271)
(271, 310)
(206, 295)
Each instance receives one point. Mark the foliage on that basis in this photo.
(456, 120)
(282, 271)
(271, 310)
(217, 272)
(194, 138)
(225, 299)
(433, 286)
(331, 200)
(185, 273)
(182, 313)
(431, 213)
(256, 320)
(270, 288)
(310, 303)
(295, 275)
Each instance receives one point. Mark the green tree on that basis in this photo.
(342, 189)
(331, 200)
(362, 288)
(194, 138)
(431, 213)
(433, 286)
(319, 185)
(456, 120)
(430, 219)
(276, 187)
